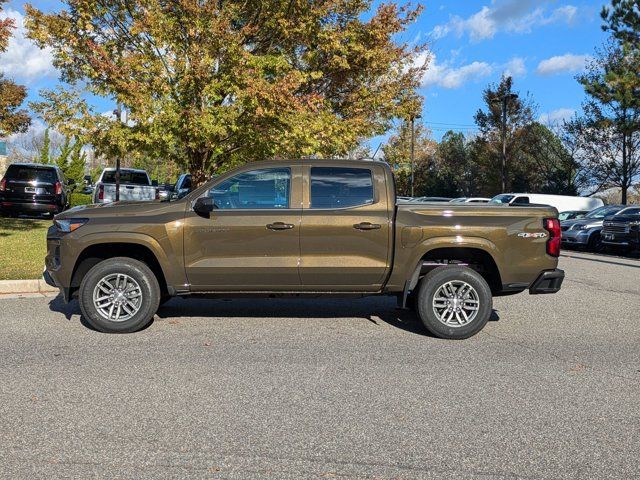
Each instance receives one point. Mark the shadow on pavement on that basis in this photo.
(373, 309)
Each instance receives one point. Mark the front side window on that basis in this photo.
(521, 200)
(501, 198)
(337, 187)
(257, 189)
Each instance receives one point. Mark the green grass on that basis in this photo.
(22, 247)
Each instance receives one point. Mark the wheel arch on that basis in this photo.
(96, 252)
(475, 257)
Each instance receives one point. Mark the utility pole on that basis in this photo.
(503, 168)
(118, 113)
(413, 147)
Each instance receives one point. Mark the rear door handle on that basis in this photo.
(279, 226)
(367, 226)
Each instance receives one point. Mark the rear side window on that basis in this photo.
(127, 177)
(20, 173)
(521, 201)
(337, 187)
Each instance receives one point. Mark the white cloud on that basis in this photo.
(515, 67)
(447, 76)
(23, 60)
(517, 16)
(566, 63)
(556, 116)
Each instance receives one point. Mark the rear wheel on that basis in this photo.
(454, 302)
(119, 295)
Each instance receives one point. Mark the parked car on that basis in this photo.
(182, 186)
(270, 228)
(560, 202)
(586, 232)
(623, 229)
(135, 186)
(165, 191)
(470, 200)
(33, 189)
(572, 214)
(431, 199)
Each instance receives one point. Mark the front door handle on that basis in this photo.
(280, 226)
(367, 226)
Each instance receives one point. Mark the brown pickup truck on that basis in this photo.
(306, 227)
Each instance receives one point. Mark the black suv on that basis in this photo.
(31, 188)
(623, 228)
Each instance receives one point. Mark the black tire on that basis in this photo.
(430, 285)
(595, 243)
(149, 288)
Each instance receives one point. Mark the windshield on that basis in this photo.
(504, 198)
(602, 212)
(633, 211)
(128, 177)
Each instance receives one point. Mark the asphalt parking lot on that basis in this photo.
(330, 389)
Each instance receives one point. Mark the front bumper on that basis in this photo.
(576, 237)
(548, 281)
(630, 239)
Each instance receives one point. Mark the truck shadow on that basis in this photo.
(376, 310)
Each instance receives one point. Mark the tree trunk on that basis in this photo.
(197, 168)
(625, 183)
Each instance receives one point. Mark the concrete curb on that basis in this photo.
(25, 286)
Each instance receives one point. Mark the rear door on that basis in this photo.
(345, 234)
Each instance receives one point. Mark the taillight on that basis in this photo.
(58, 188)
(552, 225)
(3, 185)
(157, 194)
(101, 192)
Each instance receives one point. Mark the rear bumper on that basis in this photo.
(29, 207)
(548, 281)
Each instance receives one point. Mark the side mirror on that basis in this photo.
(204, 206)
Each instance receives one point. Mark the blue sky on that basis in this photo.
(542, 43)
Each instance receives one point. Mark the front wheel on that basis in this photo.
(454, 302)
(119, 295)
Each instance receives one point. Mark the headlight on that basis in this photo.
(588, 226)
(635, 223)
(69, 225)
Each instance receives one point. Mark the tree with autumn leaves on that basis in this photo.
(13, 119)
(209, 84)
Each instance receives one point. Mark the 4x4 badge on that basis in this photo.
(532, 235)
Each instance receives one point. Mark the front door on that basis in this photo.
(345, 235)
(250, 242)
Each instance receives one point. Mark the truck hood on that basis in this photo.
(116, 209)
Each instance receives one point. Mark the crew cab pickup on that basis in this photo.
(306, 227)
(135, 185)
